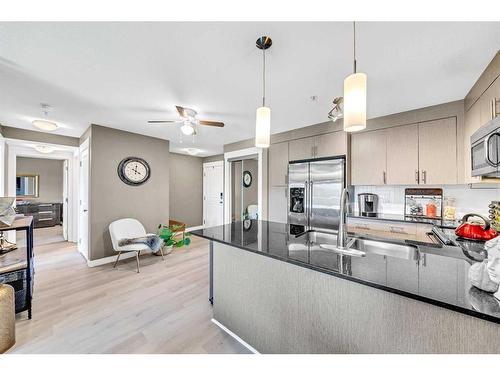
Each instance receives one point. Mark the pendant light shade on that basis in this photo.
(355, 102)
(263, 127)
(355, 96)
(263, 115)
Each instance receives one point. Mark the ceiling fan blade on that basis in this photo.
(212, 123)
(163, 122)
(181, 111)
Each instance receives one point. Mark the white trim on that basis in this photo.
(111, 259)
(240, 155)
(190, 229)
(235, 336)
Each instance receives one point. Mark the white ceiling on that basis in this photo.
(122, 74)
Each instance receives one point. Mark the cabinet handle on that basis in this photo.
(384, 176)
(494, 112)
(49, 218)
(417, 179)
(424, 176)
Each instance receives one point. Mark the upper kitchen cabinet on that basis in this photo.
(331, 144)
(368, 158)
(438, 151)
(301, 148)
(402, 155)
(278, 164)
(489, 102)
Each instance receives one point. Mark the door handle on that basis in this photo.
(85, 210)
(310, 198)
(384, 177)
(487, 150)
(424, 176)
(417, 179)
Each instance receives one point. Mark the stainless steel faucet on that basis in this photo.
(342, 239)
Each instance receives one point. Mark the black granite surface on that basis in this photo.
(407, 219)
(430, 273)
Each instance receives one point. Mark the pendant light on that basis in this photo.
(263, 116)
(355, 97)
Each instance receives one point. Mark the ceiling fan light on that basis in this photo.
(263, 127)
(45, 125)
(187, 129)
(355, 102)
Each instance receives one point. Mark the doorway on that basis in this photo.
(213, 194)
(47, 191)
(244, 189)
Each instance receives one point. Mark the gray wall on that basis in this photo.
(38, 136)
(51, 177)
(212, 158)
(186, 189)
(237, 186)
(111, 199)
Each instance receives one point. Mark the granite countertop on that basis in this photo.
(431, 273)
(406, 219)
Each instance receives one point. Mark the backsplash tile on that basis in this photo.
(391, 198)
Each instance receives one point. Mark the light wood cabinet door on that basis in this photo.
(402, 155)
(485, 104)
(472, 123)
(278, 211)
(301, 148)
(332, 144)
(438, 151)
(278, 164)
(368, 158)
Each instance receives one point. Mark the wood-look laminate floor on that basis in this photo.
(77, 309)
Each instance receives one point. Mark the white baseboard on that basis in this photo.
(235, 336)
(100, 262)
(194, 228)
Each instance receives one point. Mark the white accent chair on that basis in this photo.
(252, 211)
(128, 228)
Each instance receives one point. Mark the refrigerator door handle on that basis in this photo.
(310, 199)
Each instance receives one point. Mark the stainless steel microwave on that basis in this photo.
(485, 150)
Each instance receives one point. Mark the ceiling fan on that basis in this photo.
(188, 120)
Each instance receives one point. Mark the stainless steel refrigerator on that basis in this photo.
(314, 189)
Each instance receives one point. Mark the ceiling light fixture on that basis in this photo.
(337, 111)
(355, 97)
(263, 115)
(45, 125)
(44, 149)
(192, 151)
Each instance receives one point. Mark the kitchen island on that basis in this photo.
(279, 291)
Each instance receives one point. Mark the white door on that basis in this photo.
(83, 227)
(213, 194)
(65, 200)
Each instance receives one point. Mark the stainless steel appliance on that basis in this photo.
(485, 150)
(314, 192)
(367, 204)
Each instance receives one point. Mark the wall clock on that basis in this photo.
(247, 179)
(134, 171)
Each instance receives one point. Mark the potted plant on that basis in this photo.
(173, 236)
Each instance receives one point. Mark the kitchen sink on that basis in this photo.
(328, 241)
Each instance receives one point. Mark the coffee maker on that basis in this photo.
(367, 204)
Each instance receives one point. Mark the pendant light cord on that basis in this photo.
(354, 43)
(264, 77)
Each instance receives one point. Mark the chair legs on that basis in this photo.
(137, 260)
(117, 258)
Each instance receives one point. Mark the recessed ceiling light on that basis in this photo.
(192, 151)
(44, 149)
(44, 125)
